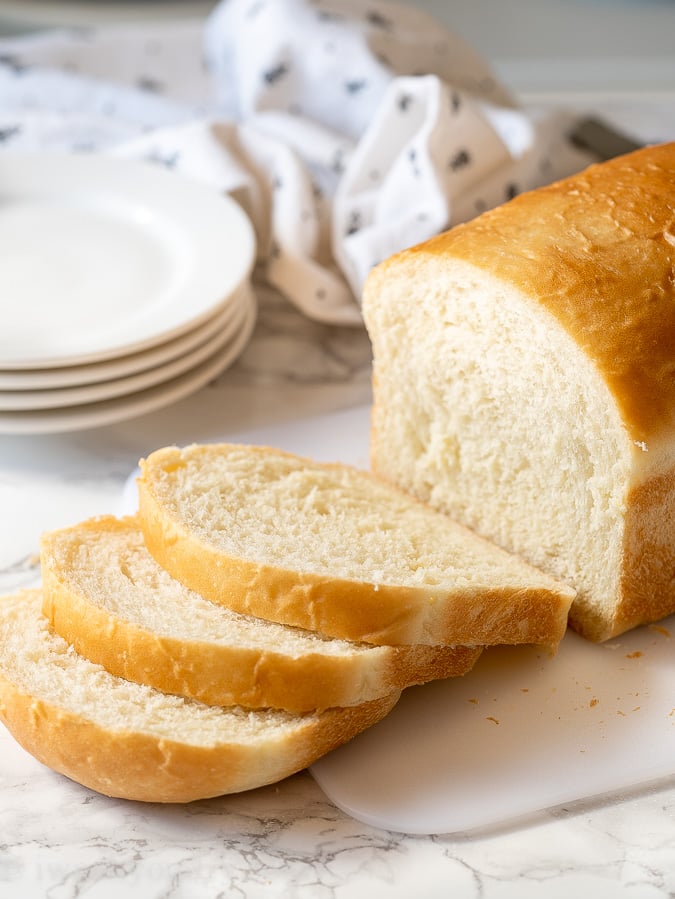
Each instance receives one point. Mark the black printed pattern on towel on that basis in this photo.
(168, 159)
(404, 101)
(13, 63)
(460, 160)
(354, 223)
(8, 132)
(148, 83)
(373, 17)
(355, 86)
(276, 73)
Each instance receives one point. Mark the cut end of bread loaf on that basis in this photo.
(335, 550)
(523, 382)
(106, 595)
(131, 741)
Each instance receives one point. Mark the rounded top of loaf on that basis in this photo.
(597, 251)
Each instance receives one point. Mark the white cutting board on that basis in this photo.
(520, 733)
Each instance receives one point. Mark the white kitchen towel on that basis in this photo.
(347, 130)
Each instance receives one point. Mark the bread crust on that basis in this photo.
(607, 237)
(351, 610)
(146, 768)
(647, 586)
(141, 765)
(228, 674)
(648, 578)
(596, 252)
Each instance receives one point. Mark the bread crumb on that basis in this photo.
(619, 712)
(490, 718)
(593, 702)
(474, 701)
(637, 708)
(641, 445)
(660, 630)
(634, 655)
(524, 689)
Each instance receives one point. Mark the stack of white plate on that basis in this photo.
(123, 288)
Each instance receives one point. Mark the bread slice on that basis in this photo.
(332, 549)
(524, 382)
(106, 595)
(131, 741)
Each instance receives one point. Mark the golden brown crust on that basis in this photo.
(597, 251)
(351, 610)
(131, 765)
(225, 675)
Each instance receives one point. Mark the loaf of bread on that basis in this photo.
(105, 594)
(332, 549)
(131, 741)
(524, 381)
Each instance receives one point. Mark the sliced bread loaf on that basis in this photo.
(332, 549)
(107, 596)
(524, 382)
(131, 741)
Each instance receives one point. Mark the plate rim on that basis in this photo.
(118, 409)
(62, 377)
(69, 397)
(218, 268)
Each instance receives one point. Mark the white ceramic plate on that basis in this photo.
(121, 366)
(92, 415)
(105, 257)
(104, 390)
